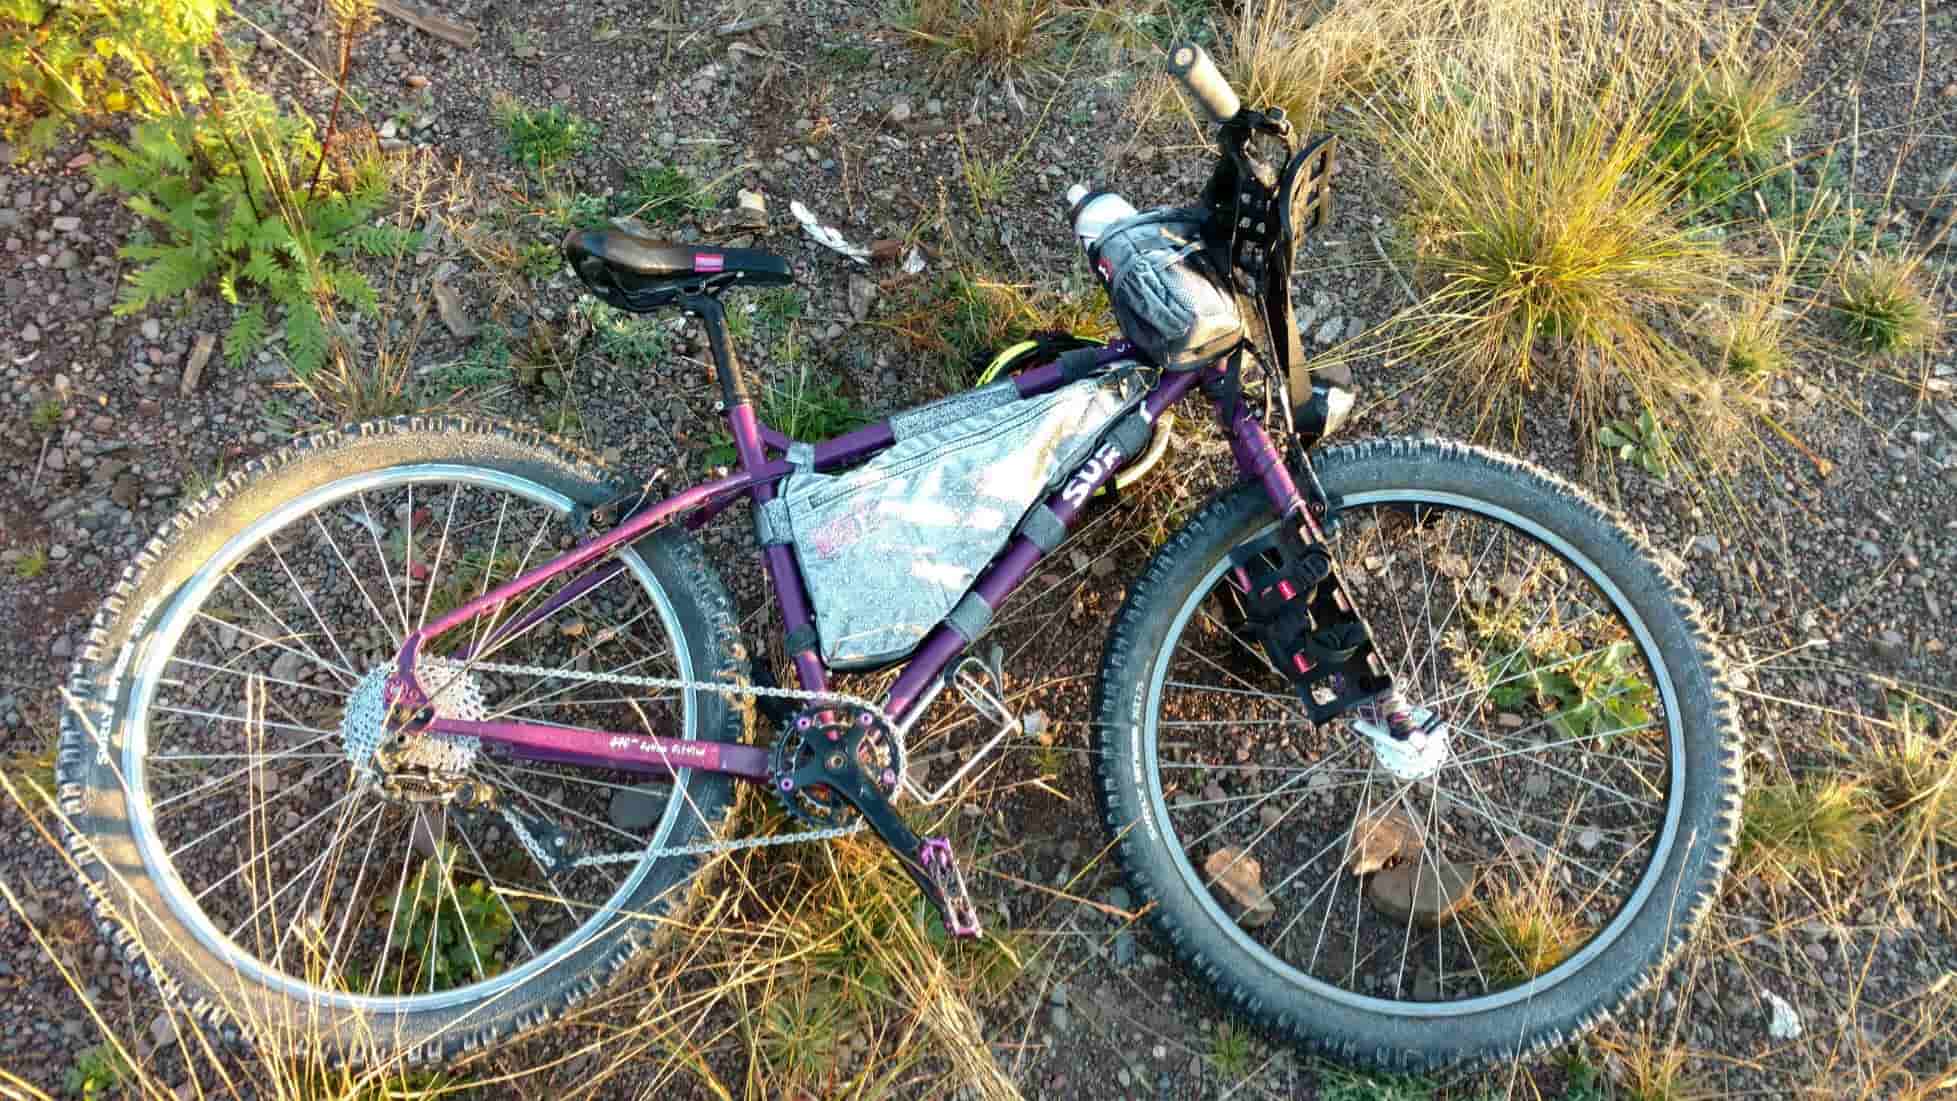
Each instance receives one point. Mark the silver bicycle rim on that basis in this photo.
(161, 643)
(1522, 991)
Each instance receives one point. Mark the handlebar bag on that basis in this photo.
(890, 547)
(1168, 301)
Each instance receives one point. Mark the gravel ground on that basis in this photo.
(1827, 586)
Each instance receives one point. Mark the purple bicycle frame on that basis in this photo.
(756, 477)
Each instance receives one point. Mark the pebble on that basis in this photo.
(1330, 332)
(30, 333)
(66, 224)
(1891, 647)
(900, 111)
(1062, 1020)
(152, 329)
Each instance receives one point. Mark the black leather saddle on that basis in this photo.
(640, 274)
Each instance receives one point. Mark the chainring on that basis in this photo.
(856, 733)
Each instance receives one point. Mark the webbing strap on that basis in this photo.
(970, 617)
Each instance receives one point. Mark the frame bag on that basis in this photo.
(889, 548)
(1169, 303)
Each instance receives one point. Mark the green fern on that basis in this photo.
(246, 335)
(227, 192)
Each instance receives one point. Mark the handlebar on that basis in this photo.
(1193, 67)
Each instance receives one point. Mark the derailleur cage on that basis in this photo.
(1300, 613)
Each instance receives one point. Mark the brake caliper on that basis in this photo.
(1300, 613)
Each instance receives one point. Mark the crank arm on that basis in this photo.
(928, 861)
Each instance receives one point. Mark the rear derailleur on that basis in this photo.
(834, 762)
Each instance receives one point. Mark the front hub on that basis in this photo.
(1411, 743)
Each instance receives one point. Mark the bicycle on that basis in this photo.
(1410, 749)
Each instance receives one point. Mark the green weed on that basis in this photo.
(1641, 441)
(660, 193)
(541, 139)
(486, 364)
(452, 926)
(46, 416)
(98, 1072)
(625, 338)
(540, 261)
(1727, 130)
(243, 198)
(1336, 1083)
(1230, 1051)
(811, 408)
(68, 64)
(32, 564)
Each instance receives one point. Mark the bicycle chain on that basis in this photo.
(697, 848)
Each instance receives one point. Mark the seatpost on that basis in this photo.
(733, 388)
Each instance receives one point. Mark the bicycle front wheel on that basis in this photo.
(1501, 891)
(241, 834)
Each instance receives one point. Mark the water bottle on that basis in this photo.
(1094, 212)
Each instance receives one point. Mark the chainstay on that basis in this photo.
(697, 848)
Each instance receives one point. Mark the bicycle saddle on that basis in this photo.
(638, 274)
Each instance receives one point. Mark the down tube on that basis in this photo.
(1020, 556)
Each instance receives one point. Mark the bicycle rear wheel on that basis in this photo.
(1494, 895)
(217, 769)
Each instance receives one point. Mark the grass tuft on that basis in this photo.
(1819, 827)
(1274, 61)
(1523, 932)
(993, 34)
(1883, 310)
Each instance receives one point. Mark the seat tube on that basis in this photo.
(798, 622)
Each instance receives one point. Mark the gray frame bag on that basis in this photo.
(1170, 304)
(890, 548)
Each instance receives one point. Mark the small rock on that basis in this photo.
(1589, 839)
(862, 295)
(1331, 331)
(1508, 720)
(1062, 1021)
(1785, 1023)
(128, 490)
(900, 111)
(750, 209)
(62, 648)
(415, 80)
(1427, 891)
(1242, 879)
(449, 305)
(1034, 723)
(152, 329)
(288, 665)
(639, 807)
(30, 333)
(1124, 948)
(1892, 647)
(67, 224)
(1536, 786)
(1380, 837)
(886, 250)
